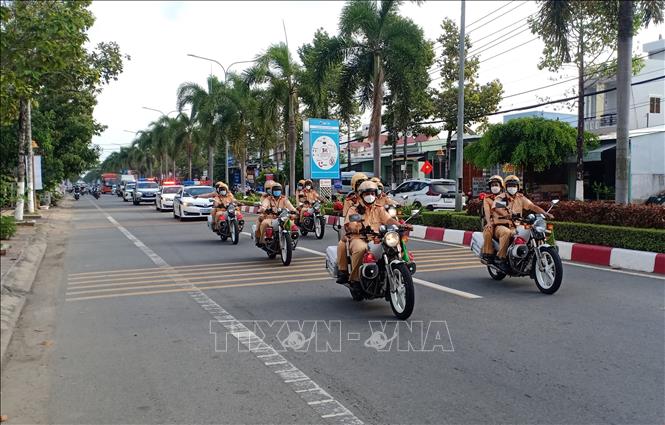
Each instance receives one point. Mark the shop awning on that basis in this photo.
(593, 155)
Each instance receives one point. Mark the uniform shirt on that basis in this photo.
(310, 195)
(488, 203)
(516, 205)
(374, 216)
(223, 201)
(271, 203)
(349, 202)
(384, 200)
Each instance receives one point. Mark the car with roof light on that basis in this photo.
(165, 195)
(145, 191)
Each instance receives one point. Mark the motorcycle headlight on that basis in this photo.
(391, 239)
(231, 208)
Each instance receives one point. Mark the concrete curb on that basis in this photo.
(627, 259)
(16, 284)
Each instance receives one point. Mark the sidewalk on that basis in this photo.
(18, 268)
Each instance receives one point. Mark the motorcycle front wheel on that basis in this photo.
(319, 227)
(548, 271)
(235, 233)
(285, 248)
(403, 299)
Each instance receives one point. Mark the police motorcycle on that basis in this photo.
(281, 236)
(529, 254)
(388, 266)
(313, 221)
(230, 225)
(95, 191)
(77, 193)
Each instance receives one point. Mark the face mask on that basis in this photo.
(299, 187)
(512, 190)
(495, 189)
(308, 187)
(222, 192)
(276, 193)
(369, 199)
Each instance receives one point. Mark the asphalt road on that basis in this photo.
(161, 322)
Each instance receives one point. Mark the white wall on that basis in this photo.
(647, 165)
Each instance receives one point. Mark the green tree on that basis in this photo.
(533, 143)
(277, 68)
(479, 100)
(372, 35)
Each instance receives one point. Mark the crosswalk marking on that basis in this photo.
(239, 274)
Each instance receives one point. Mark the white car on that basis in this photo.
(430, 194)
(127, 191)
(145, 191)
(165, 195)
(186, 204)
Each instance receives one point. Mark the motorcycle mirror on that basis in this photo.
(355, 218)
(415, 213)
(555, 201)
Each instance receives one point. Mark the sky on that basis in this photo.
(158, 35)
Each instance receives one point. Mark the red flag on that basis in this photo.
(427, 167)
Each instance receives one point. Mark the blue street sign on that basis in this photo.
(324, 148)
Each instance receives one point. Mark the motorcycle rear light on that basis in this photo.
(369, 258)
(269, 232)
(519, 241)
(411, 256)
(307, 214)
(239, 215)
(294, 228)
(481, 196)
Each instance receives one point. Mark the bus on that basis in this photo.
(108, 180)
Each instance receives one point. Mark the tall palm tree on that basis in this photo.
(204, 105)
(184, 129)
(372, 36)
(277, 68)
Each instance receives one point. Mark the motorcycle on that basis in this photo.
(387, 270)
(230, 226)
(95, 193)
(529, 254)
(281, 237)
(313, 221)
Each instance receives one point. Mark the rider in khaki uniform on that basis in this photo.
(382, 198)
(267, 186)
(351, 200)
(373, 216)
(299, 191)
(495, 184)
(504, 227)
(269, 208)
(308, 196)
(221, 197)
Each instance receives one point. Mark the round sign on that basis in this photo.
(324, 152)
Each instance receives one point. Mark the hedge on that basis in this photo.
(7, 227)
(614, 236)
(596, 212)
(450, 220)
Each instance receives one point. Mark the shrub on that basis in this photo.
(7, 227)
(619, 237)
(596, 212)
(451, 220)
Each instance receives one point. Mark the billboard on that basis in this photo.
(322, 149)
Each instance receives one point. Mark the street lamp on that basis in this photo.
(157, 110)
(226, 142)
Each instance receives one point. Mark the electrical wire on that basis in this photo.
(491, 13)
(503, 14)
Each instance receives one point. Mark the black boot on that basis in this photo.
(342, 277)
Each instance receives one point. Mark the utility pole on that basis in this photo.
(460, 117)
(624, 73)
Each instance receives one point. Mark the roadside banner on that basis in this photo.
(323, 149)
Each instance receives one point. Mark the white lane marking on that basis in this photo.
(311, 251)
(442, 288)
(246, 337)
(432, 285)
(588, 266)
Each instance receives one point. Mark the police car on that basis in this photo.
(145, 191)
(186, 203)
(128, 191)
(165, 195)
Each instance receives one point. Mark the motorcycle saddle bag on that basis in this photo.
(331, 260)
(477, 241)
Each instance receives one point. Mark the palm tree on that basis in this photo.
(277, 68)
(372, 37)
(204, 104)
(184, 129)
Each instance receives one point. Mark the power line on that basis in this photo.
(491, 13)
(495, 42)
(509, 50)
(507, 26)
(503, 14)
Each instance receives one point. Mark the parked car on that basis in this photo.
(187, 204)
(427, 193)
(165, 195)
(346, 181)
(658, 199)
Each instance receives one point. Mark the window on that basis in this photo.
(654, 105)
